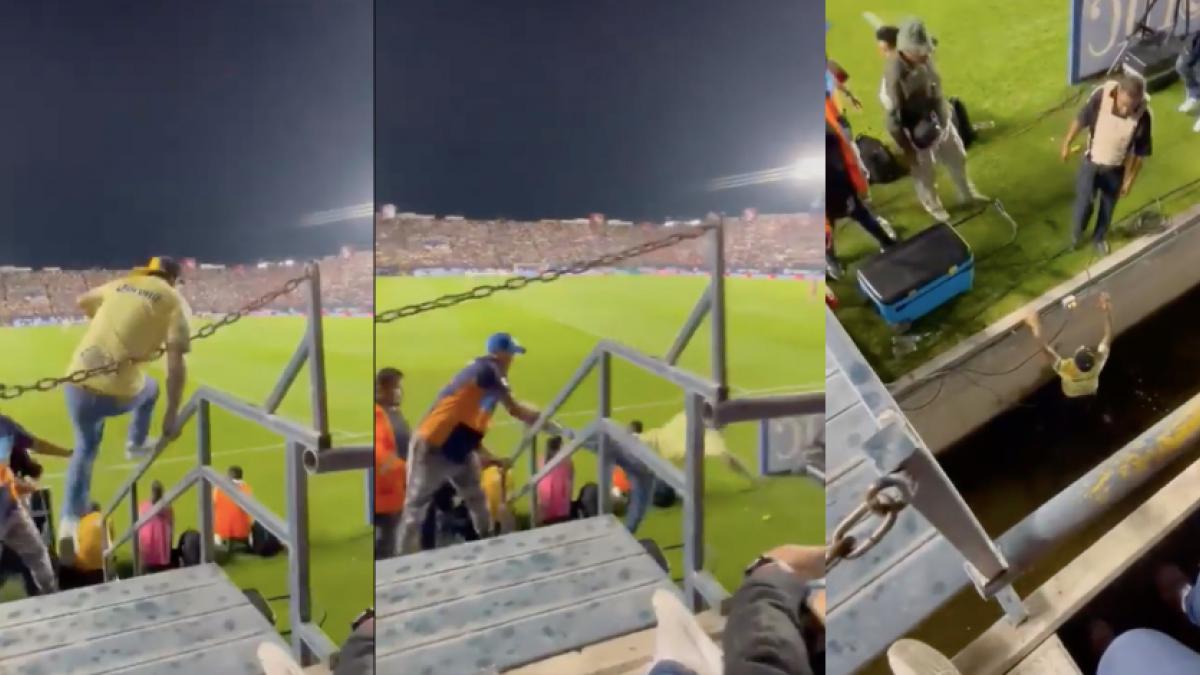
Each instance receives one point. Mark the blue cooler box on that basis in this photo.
(918, 275)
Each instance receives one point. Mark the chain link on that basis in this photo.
(885, 499)
(10, 392)
(551, 274)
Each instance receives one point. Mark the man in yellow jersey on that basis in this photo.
(447, 444)
(1081, 372)
(131, 318)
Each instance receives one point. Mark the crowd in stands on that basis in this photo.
(50, 294)
(407, 242)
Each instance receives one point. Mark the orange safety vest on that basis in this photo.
(231, 522)
(857, 179)
(391, 472)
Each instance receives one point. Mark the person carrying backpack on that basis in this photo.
(845, 193)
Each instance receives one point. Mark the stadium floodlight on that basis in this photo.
(809, 168)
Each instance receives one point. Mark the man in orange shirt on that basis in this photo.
(448, 443)
(391, 470)
(230, 522)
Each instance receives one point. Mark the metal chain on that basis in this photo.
(885, 499)
(10, 392)
(551, 274)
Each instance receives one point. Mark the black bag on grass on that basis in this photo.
(588, 503)
(962, 122)
(664, 495)
(262, 542)
(879, 161)
(189, 548)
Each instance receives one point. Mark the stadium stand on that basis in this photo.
(31, 296)
(762, 243)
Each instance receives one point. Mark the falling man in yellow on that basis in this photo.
(130, 320)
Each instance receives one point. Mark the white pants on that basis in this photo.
(949, 151)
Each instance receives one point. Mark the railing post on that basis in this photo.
(693, 503)
(300, 609)
(764, 447)
(533, 471)
(316, 356)
(369, 487)
(716, 311)
(204, 459)
(134, 545)
(603, 457)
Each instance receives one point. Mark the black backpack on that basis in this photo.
(664, 495)
(189, 548)
(588, 504)
(879, 161)
(262, 542)
(962, 122)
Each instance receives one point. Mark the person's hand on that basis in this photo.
(1065, 153)
(807, 562)
(169, 432)
(1126, 186)
(1035, 326)
(854, 101)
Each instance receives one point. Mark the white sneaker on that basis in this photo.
(276, 660)
(134, 451)
(1190, 105)
(940, 214)
(1196, 126)
(68, 543)
(909, 657)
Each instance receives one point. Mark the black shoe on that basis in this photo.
(1102, 247)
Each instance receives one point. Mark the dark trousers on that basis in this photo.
(1096, 187)
(387, 526)
(858, 211)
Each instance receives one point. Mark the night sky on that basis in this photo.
(196, 129)
(559, 108)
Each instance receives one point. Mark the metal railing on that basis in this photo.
(706, 403)
(307, 450)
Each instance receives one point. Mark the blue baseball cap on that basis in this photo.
(503, 343)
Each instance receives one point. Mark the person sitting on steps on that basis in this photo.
(1080, 373)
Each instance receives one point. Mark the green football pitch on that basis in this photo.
(775, 344)
(1007, 61)
(244, 360)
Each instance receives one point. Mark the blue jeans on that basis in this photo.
(641, 490)
(1189, 73)
(88, 410)
(1192, 603)
(1100, 186)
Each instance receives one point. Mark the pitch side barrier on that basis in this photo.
(706, 402)
(307, 450)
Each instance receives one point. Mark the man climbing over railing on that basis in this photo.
(17, 529)
(448, 443)
(132, 321)
(1081, 373)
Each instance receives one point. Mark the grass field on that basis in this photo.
(1007, 61)
(775, 336)
(244, 360)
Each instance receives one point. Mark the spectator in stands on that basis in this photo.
(94, 539)
(555, 489)
(447, 444)
(1080, 373)
(1188, 67)
(230, 523)
(155, 537)
(18, 532)
(921, 120)
(1118, 119)
(131, 319)
(641, 479)
(845, 194)
(775, 624)
(391, 469)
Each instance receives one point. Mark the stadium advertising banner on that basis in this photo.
(1099, 29)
